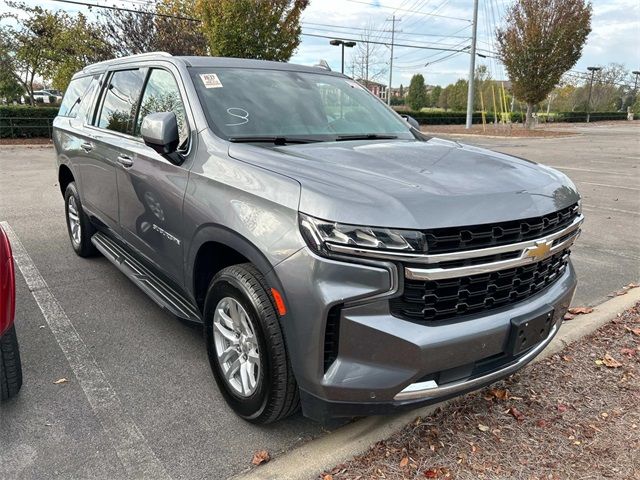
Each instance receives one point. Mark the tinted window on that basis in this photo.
(162, 95)
(121, 101)
(73, 97)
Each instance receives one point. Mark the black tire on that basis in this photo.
(10, 366)
(83, 247)
(276, 395)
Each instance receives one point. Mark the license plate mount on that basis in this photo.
(529, 330)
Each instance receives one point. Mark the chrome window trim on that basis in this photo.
(459, 255)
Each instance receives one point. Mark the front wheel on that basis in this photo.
(246, 347)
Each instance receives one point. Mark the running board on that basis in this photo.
(159, 291)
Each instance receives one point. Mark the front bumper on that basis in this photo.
(384, 363)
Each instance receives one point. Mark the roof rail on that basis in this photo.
(132, 57)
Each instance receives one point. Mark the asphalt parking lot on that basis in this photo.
(155, 378)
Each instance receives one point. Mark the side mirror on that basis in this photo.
(412, 121)
(160, 132)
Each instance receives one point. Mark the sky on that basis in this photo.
(436, 24)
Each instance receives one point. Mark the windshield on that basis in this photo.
(244, 102)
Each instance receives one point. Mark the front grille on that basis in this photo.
(428, 300)
(445, 240)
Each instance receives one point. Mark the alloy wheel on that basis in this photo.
(236, 347)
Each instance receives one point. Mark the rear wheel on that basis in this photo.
(246, 346)
(10, 365)
(78, 224)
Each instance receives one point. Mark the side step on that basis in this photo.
(161, 293)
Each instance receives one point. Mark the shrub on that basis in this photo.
(460, 118)
(26, 121)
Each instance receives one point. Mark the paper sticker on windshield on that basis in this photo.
(353, 84)
(211, 80)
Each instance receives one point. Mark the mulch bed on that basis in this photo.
(25, 141)
(573, 415)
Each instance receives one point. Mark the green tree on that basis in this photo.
(541, 40)
(262, 29)
(174, 18)
(417, 94)
(435, 95)
(28, 45)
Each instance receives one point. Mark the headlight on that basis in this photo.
(321, 235)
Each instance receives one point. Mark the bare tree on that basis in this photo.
(541, 40)
(367, 62)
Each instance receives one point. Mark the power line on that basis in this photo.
(379, 43)
(411, 11)
(122, 9)
(345, 27)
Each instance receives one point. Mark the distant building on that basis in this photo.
(378, 89)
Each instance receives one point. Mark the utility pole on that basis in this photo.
(393, 32)
(593, 71)
(472, 65)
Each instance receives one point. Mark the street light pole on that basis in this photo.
(593, 71)
(343, 44)
(393, 33)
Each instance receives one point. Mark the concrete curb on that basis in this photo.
(309, 460)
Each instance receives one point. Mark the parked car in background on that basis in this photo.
(10, 366)
(46, 96)
(337, 257)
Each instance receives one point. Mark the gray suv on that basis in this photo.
(338, 258)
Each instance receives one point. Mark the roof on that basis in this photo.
(208, 62)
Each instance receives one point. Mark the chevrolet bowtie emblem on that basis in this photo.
(540, 251)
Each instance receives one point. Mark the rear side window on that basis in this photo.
(73, 97)
(161, 94)
(120, 101)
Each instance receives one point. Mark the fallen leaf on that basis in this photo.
(580, 310)
(635, 331)
(610, 362)
(568, 316)
(567, 358)
(431, 473)
(499, 393)
(517, 414)
(541, 423)
(483, 428)
(60, 380)
(633, 285)
(562, 408)
(629, 352)
(404, 462)
(260, 457)
(327, 477)
(620, 292)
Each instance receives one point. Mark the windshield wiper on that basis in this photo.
(274, 140)
(365, 136)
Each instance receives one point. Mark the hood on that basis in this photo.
(413, 184)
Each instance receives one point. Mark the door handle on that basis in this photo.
(87, 147)
(125, 160)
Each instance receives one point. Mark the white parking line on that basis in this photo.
(610, 186)
(135, 455)
(560, 167)
(593, 208)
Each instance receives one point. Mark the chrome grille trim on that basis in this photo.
(463, 254)
(437, 273)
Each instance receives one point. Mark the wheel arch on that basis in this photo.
(215, 247)
(65, 177)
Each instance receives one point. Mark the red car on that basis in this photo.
(10, 367)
